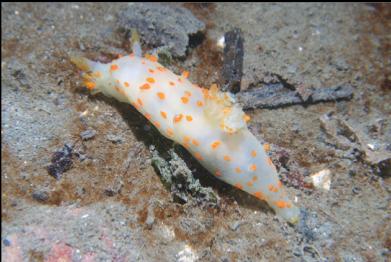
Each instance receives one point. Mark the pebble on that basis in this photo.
(88, 134)
(40, 196)
(235, 225)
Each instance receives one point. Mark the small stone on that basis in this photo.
(40, 196)
(150, 221)
(88, 134)
(61, 161)
(235, 225)
(116, 139)
(6, 242)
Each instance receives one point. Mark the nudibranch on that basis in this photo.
(207, 122)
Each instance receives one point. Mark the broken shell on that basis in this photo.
(321, 179)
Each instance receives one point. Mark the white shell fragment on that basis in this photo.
(322, 179)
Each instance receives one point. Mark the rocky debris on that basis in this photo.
(162, 25)
(115, 138)
(232, 70)
(278, 95)
(179, 178)
(235, 225)
(150, 220)
(88, 134)
(114, 188)
(370, 140)
(40, 195)
(61, 161)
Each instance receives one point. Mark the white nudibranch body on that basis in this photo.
(207, 123)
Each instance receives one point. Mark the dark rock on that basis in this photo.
(40, 196)
(161, 25)
(61, 162)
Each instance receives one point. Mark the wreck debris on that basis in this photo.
(277, 95)
(161, 25)
(179, 178)
(61, 161)
(353, 135)
(232, 72)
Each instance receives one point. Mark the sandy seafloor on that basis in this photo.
(112, 206)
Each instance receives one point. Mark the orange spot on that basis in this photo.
(131, 55)
(215, 144)
(238, 185)
(238, 170)
(273, 188)
(151, 58)
(150, 80)
(126, 84)
(114, 67)
(205, 92)
(218, 173)
(253, 167)
(199, 103)
(250, 183)
(157, 124)
(188, 93)
(140, 102)
(145, 86)
(255, 178)
(172, 83)
(164, 114)
(269, 161)
(178, 118)
(195, 142)
(266, 147)
(246, 118)
(227, 110)
(148, 116)
(185, 74)
(259, 195)
(170, 132)
(161, 95)
(279, 184)
(186, 139)
(161, 69)
(282, 204)
(189, 118)
(90, 85)
(117, 81)
(184, 99)
(227, 158)
(143, 61)
(198, 156)
(97, 74)
(151, 70)
(253, 153)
